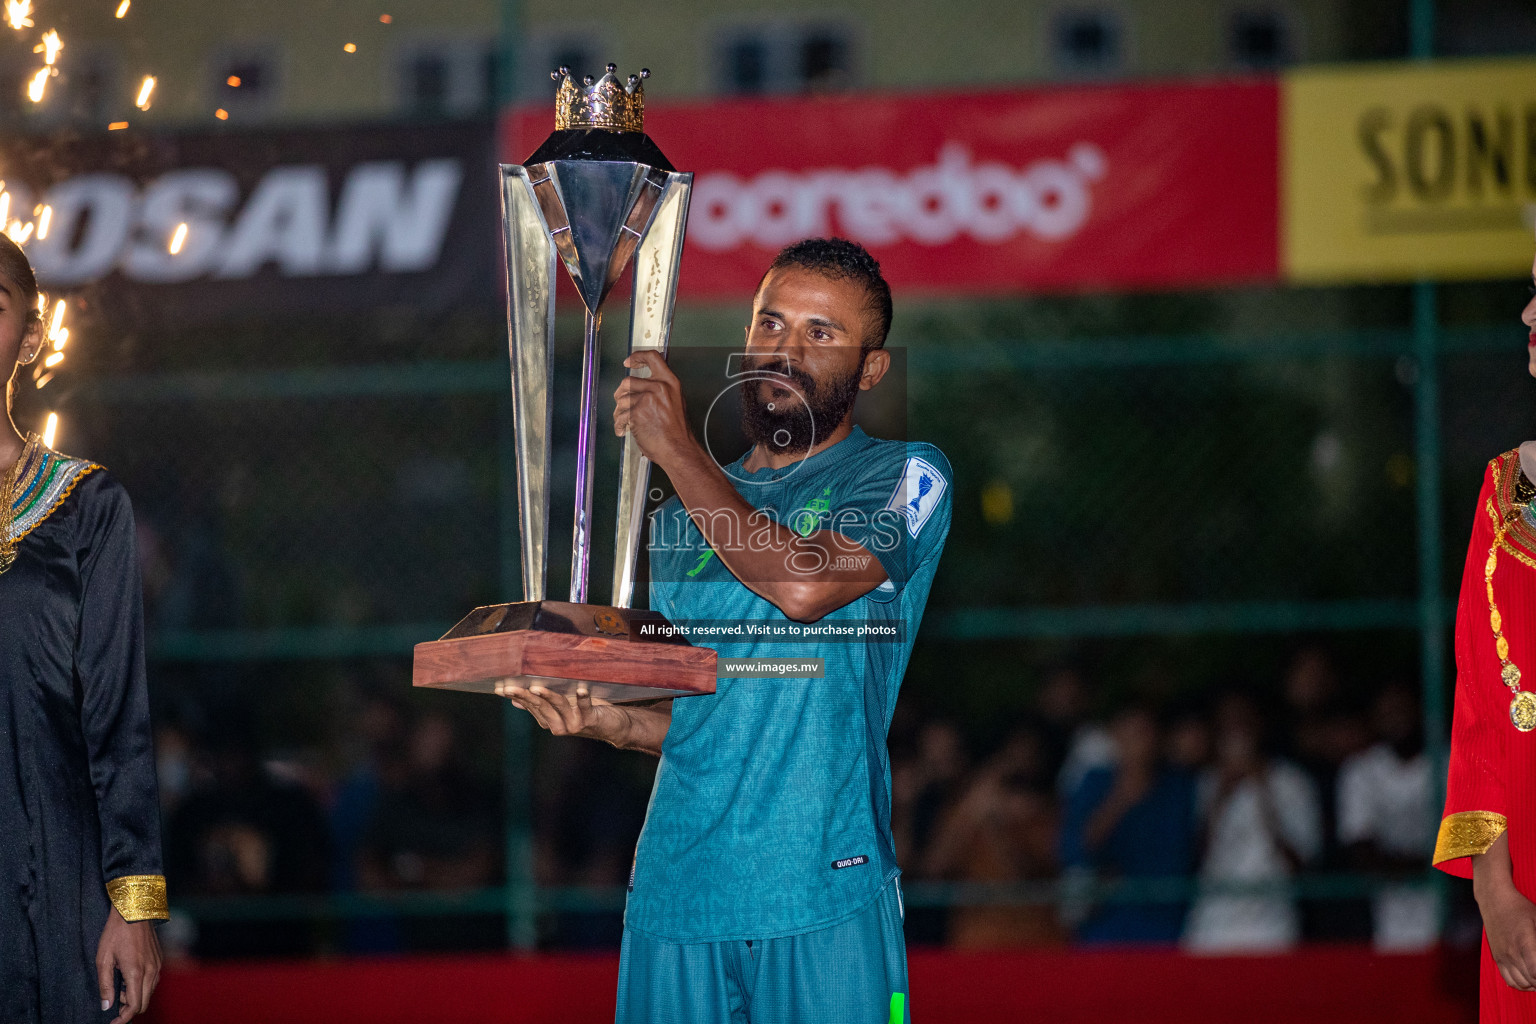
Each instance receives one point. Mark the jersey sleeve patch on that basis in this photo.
(917, 493)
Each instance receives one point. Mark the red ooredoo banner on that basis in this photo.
(1124, 187)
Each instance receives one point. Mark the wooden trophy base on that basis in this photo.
(617, 654)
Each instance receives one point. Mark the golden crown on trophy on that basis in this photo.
(605, 103)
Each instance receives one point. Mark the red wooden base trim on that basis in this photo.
(477, 662)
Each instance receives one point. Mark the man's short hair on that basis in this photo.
(841, 259)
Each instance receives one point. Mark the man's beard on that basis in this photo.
(795, 425)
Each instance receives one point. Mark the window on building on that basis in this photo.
(746, 67)
(92, 87)
(446, 78)
(80, 90)
(245, 80)
(824, 62)
(427, 83)
(490, 74)
(14, 75)
(580, 49)
(785, 57)
(1087, 42)
(1261, 39)
(578, 58)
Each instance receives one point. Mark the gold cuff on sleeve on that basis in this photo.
(139, 897)
(1467, 834)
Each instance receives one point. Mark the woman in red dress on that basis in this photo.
(1488, 833)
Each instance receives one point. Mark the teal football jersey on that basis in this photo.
(770, 814)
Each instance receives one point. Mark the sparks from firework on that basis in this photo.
(350, 47)
(58, 337)
(42, 374)
(18, 14)
(51, 429)
(221, 114)
(56, 328)
(233, 81)
(385, 19)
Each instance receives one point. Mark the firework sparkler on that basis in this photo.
(18, 14)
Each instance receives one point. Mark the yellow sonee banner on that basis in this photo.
(1404, 171)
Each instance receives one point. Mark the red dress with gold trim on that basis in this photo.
(1492, 781)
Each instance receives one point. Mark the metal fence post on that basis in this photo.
(1427, 444)
(508, 40)
(517, 733)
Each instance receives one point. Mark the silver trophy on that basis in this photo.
(597, 196)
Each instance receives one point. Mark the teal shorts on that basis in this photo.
(852, 972)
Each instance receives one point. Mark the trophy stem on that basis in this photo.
(650, 324)
(634, 472)
(586, 444)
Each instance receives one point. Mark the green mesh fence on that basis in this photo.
(1173, 511)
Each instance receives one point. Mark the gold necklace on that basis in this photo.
(1522, 706)
(8, 503)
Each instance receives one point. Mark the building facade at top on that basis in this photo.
(415, 58)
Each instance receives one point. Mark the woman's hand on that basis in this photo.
(1508, 917)
(1510, 920)
(129, 948)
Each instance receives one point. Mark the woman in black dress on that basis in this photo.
(80, 877)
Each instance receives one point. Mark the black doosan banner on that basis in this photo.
(289, 221)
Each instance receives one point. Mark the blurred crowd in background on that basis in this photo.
(1176, 823)
(1236, 793)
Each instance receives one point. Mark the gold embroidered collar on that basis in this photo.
(1511, 508)
(43, 479)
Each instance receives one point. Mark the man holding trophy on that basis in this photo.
(765, 881)
(765, 885)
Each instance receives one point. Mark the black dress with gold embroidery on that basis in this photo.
(79, 814)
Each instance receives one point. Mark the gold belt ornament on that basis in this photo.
(1522, 707)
